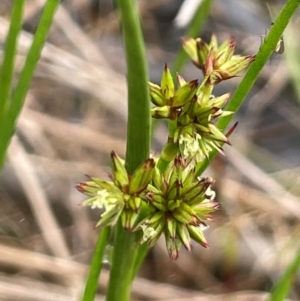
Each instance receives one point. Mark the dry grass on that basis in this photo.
(75, 114)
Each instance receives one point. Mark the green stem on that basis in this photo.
(284, 284)
(123, 265)
(96, 265)
(126, 249)
(7, 68)
(139, 259)
(251, 75)
(170, 149)
(8, 122)
(139, 120)
(162, 164)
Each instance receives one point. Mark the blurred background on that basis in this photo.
(75, 114)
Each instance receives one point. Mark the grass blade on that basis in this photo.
(283, 286)
(8, 63)
(8, 121)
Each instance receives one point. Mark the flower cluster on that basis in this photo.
(120, 197)
(167, 101)
(179, 204)
(217, 62)
(177, 201)
(195, 134)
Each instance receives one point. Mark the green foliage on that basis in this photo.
(12, 98)
(182, 220)
(283, 286)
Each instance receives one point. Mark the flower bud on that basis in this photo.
(217, 62)
(157, 97)
(185, 94)
(163, 112)
(234, 66)
(172, 227)
(167, 84)
(119, 172)
(128, 219)
(197, 235)
(184, 235)
(141, 177)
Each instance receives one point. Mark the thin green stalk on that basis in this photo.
(96, 265)
(8, 121)
(126, 248)
(123, 265)
(194, 29)
(139, 120)
(169, 152)
(252, 74)
(7, 68)
(283, 286)
(162, 164)
(139, 259)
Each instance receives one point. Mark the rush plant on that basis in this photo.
(146, 196)
(165, 195)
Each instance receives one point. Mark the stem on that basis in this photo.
(284, 284)
(139, 121)
(126, 248)
(7, 69)
(123, 265)
(8, 122)
(96, 265)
